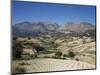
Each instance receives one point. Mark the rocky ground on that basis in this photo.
(55, 54)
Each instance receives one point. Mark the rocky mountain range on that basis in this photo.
(80, 27)
(36, 28)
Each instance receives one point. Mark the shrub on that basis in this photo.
(38, 47)
(83, 54)
(77, 59)
(29, 38)
(33, 56)
(27, 43)
(63, 58)
(84, 41)
(17, 50)
(58, 54)
(71, 54)
(65, 55)
(52, 42)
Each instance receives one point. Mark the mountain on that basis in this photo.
(79, 27)
(34, 29)
(40, 28)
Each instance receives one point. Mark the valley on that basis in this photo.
(53, 48)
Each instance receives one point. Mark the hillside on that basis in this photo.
(41, 47)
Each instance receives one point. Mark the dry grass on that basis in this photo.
(47, 64)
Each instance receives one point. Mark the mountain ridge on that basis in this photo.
(35, 28)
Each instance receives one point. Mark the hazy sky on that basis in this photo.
(59, 13)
